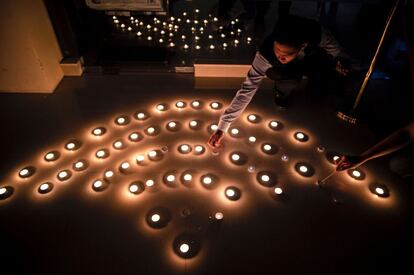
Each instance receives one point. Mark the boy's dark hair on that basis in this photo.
(294, 30)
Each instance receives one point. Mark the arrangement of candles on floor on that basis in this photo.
(185, 149)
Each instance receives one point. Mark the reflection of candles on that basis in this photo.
(139, 33)
(197, 47)
(172, 44)
(212, 47)
(210, 36)
(223, 35)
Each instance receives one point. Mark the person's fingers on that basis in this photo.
(213, 141)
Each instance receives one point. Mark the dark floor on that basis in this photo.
(339, 229)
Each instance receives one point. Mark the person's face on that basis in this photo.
(285, 53)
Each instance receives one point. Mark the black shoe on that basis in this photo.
(281, 100)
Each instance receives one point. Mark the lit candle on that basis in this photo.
(140, 158)
(188, 177)
(278, 190)
(235, 157)
(149, 183)
(235, 131)
(184, 248)
(125, 165)
(170, 178)
(219, 216)
(207, 180)
(252, 118)
(155, 218)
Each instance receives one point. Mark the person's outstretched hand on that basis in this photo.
(347, 162)
(215, 139)
(341, 68)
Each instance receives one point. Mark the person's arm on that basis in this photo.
(332, 47)
(392, 143)
(245, 94)
(242, 98)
